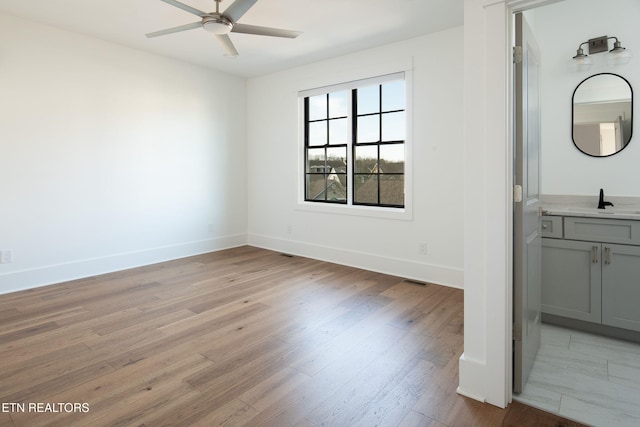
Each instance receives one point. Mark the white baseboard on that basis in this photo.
(472, 378)
(46, 275)
(477, 382)
(383, 264)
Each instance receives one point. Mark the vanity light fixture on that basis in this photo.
(582, 61)
(617, 55)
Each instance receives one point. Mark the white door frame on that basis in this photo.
(486, 365)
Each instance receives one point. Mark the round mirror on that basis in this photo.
(602, 115)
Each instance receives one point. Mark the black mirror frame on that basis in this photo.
(572, 115)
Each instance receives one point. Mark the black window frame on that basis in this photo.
(351, 174)
(326, 172)
(378, 144)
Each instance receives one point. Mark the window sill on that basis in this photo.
(357, 210)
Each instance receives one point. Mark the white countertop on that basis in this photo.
(587, 206)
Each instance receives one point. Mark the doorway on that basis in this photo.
(586, 377)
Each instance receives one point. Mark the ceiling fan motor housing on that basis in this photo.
(217, 24)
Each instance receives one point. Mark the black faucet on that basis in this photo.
(601, 203)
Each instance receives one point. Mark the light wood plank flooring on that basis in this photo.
(239, 337)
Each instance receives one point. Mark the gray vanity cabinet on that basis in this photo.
(587, 275)
(572, 279)
(621, 286)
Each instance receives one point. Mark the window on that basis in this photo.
(354, 143)
(326, 142)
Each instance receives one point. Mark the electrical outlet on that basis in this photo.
(6, 257)
(288, 228)
(422, 248)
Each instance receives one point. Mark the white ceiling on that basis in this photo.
(330, 27)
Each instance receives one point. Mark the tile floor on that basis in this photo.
(585, 377)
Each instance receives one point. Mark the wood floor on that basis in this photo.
(239, 337)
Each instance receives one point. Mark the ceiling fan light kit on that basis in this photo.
(221, 24)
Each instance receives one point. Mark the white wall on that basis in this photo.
(387, 245)
(560, 28)
(111, 157)
(486, 361)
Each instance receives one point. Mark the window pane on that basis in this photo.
(369, 129)
(392, 158)
(338, 104)
(336, 187)
(318, 133)
(393, 96)
(366, 159)
(366, 189)
(315, 187)
(338, 131)
(369, 99)
(315, 160)
(318, 107)
(392, 189)
(393, 126)
(337, 159)
(392, 153)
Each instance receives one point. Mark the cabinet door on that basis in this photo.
(621, 286)
(571, 279)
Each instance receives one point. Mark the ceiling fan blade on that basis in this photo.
(264, 31)
(227, 45)
(184, 7)
(238, 8)
(175, 29)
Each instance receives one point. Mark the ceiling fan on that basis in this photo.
(221, 24)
